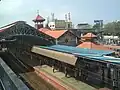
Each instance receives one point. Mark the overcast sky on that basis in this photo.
(81, 10)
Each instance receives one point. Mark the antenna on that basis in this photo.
(66, 17)
(69, 17)
(38, 12)
(52, 14)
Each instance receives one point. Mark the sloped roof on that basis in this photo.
(39, 18)
(55, 33)
(91, 45)
(8, 26)
(97, 55)
(89, 35)
(81, 51)
(44, 29)
(112, 46)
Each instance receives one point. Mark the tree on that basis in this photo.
(112, 27)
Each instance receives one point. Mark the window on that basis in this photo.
(66, 40)
(68, 25)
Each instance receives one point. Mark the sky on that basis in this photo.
(81, 10)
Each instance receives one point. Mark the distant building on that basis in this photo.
(89, 42)
(61, 37)
(57, 24)
(111, 40)
(83, 26)
(60, 24)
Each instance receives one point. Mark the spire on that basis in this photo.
(47, 23)
(39, 18)
(66, 17)
(52, 15)
(38, 12)
(69, 17)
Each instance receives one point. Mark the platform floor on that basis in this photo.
(36, 82)
(71, 82)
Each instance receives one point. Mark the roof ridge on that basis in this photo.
(11, 24)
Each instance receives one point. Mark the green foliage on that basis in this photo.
(112, 27)
(96, 27)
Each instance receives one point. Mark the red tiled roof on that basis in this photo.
(55, 33)
(91, 45)
(39, 18)
(44, 29)
(89, 35)
(112, 46)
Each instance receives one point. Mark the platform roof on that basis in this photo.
(75, 50)
(70, 54)
(96, 55)
(105, 59)
(63, 57)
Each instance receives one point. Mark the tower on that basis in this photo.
(68, 21)
(46, 26)
(66, 18)
(69, 17)
(52, 16)
(38, 21)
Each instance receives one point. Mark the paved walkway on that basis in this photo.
(69, 82)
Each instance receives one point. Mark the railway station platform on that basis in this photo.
(59, 77)
(97, 67)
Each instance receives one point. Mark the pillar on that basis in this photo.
(103, 75)
(115, 78)
(86, 71)
(53, 69)
(109, 81)
(53, 66)
(66, 71)
(76, 73)
(76, 40)
(56, 41)
(82, 74)
(59, 66)
(40, 62)
(109, 73)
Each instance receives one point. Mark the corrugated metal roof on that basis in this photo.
(75, 50)
(6, 27)
(98, 55)
(106, 59)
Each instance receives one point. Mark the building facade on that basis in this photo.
(60, 24)
(62, 37)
